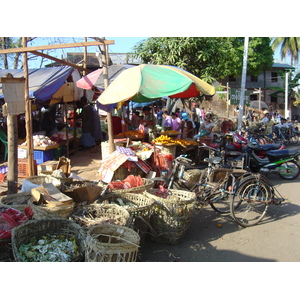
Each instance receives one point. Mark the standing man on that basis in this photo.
(87, 117)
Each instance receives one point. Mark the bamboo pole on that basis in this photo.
(56, 46)
(28, 116)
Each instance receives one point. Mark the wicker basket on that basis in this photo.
(140, 208)
(111, 243)
(17, 201)
(94, 214)
(38, 228)
(171, 216)
(148, 184)
(50, 212)
(193, 176)
(217, 175)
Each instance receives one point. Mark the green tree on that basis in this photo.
(12, 60)
(288, 46)
(209, 58)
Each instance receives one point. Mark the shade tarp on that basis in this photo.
(43, 83)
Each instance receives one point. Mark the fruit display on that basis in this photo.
(166, 140)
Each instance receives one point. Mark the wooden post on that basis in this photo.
(104, 52)
(28, 117)
(12, 138)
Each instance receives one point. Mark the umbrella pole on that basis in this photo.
(111, 144)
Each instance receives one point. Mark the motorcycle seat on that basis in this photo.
(282, 153)
(267, 147)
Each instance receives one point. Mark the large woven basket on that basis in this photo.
(94, 214)
(17, 201)
(47, 212)
(111, 243)
(148, 184)
(171, 216)
(139, 206)
(39, 228)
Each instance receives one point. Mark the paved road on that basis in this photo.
(275, 239)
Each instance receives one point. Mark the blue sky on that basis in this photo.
(121, 45)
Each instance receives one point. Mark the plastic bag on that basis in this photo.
(9, 219)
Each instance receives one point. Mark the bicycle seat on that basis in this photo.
(213, 160)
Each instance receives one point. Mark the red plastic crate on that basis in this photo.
(23, 170)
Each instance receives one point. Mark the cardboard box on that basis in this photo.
(47, 167)
(50, 195)
(64, 165)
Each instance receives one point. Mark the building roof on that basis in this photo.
(281, 65)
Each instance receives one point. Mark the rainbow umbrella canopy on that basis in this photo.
(144, 83)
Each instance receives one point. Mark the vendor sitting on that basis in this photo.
(48, 124)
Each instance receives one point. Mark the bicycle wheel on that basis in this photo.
(289, 170)
(219, 199)
(250, 202)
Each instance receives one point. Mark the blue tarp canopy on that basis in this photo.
(43, 83)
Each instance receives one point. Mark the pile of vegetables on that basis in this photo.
(49, 248)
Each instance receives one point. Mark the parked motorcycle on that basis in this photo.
(284, 162)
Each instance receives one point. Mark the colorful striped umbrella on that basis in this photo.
(144, 83)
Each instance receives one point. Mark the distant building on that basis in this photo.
(275, 77)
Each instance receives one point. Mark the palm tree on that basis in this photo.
(288, 45)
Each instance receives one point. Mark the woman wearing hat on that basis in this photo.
(208, 125)
(187, 126)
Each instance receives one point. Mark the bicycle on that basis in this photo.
(252, 198)
(209, 189)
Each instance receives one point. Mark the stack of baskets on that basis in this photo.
(95, 214)
(44, 211)
(37, 229)
(17, 201)
(148, 184)
(111, 243)
(172, 215)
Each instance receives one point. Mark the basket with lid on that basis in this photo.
(172, 215)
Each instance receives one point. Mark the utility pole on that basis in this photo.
(243, 83)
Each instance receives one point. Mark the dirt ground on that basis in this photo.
(217, 238)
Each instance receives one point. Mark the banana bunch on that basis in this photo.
(164, 139)
(185, 143)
